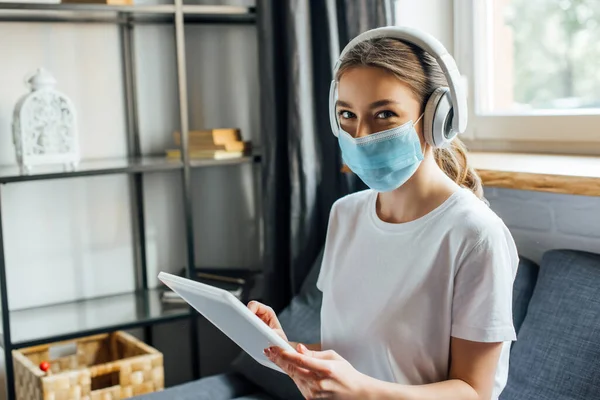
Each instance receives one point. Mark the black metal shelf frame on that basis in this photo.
(142, 302)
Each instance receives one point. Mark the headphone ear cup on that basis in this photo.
(333, 121)
(437, 126)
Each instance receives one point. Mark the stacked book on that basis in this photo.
(109, 2)
(218, 144)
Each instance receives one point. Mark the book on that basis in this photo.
(206, 154)
(230, 146)
(218, 144)
(219, 136)
(108, 2)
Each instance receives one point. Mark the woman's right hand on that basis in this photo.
(268, 316)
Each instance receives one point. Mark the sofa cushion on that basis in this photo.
(523, 286)
(257, 396)
(218, 387)
(301, 322)
(557, 354)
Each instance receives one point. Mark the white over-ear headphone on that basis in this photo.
(445, 110)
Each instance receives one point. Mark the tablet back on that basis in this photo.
(229, 315)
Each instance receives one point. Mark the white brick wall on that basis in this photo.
(543, 221)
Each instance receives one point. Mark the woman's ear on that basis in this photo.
(425, 147)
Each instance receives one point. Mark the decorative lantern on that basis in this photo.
(45, 125)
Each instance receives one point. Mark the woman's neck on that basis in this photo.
(427, 189)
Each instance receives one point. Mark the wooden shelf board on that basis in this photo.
(546, 173)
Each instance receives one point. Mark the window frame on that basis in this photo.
(546, 128)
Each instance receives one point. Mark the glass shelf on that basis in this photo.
(66, 321)
(219, 14)
(13, 173)
(9, 174)
(69, 12)
(57, 12)
(152, 9)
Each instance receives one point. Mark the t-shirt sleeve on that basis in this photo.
(483, 285)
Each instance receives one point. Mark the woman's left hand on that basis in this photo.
(321, 374)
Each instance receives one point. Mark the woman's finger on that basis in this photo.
(313, 389)
(290, 368)
(320, 367)
(322, 355)
(253, 306)
(305, 389)
(265, 313)
(295, 372)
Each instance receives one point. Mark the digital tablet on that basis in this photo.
(230, 315)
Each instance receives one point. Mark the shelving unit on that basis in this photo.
(141, 308)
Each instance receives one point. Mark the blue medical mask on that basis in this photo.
(383, 160)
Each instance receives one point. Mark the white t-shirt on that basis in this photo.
(394, 294)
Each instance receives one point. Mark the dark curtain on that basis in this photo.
(299, 41)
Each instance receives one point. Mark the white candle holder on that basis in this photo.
(45, 125)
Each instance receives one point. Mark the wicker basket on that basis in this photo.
(105, 367)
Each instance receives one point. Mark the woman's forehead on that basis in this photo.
(365, 85)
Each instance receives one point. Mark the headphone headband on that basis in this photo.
(430, 45)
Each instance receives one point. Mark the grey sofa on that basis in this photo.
(556, 309)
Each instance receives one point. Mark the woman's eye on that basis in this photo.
(346, 114)
(385, 114)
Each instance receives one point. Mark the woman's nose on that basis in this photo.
(362, 130)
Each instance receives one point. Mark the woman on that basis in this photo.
(417, 272)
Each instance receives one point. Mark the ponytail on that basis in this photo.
(453, 161)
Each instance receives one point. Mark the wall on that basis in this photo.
(432, 16)
(41, 244)
(542, 221)
(72, 238)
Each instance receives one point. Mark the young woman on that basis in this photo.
(417, 272)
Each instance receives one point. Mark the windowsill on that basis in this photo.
(545, 173)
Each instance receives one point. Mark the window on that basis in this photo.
(531, 68)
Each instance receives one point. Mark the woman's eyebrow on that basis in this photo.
(341, 103)
(381, 103)
(376, 104)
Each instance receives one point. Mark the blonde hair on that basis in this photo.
(423, 75)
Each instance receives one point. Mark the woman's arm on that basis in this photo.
(325, 374)
(472, 371)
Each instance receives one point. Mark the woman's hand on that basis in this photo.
(268, 316)
(321, 374)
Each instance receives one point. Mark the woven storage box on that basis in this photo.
(104, 367)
